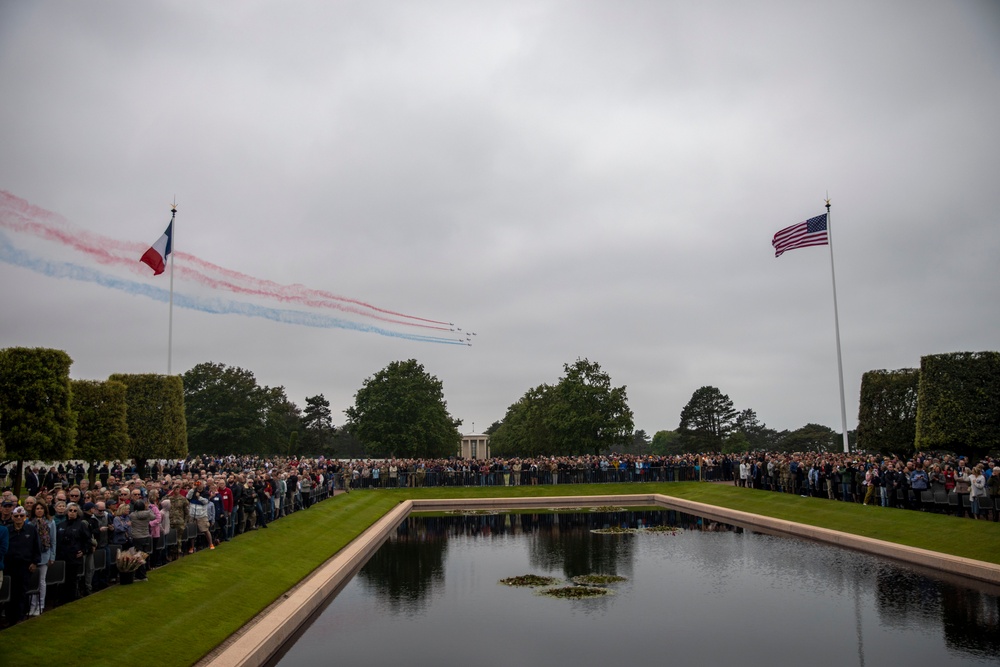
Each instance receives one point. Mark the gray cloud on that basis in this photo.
(566, 179)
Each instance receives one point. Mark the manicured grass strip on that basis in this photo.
(194, 604)
(979, 540)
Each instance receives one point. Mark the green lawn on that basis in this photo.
(191, 606)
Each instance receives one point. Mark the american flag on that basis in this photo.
(811, 232)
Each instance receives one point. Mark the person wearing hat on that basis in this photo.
(6, 510)
(23, 554)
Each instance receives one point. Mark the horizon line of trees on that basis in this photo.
(951, 403)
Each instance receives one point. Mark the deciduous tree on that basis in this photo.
(401, 412)
(590, 415)
(809, 438)
(527, 428)
(581, 414)
(667, 443)
(229, 412)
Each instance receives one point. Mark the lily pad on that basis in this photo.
(530, 580)
(598, 579)
(668, 530)
(575, 592)
(614, 530)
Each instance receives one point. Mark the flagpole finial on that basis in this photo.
(173, 206)
(828, 203)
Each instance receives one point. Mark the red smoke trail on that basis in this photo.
(304, 294)
(19, 215)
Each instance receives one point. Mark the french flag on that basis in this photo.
(156, 256)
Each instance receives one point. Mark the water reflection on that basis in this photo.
(731, 588)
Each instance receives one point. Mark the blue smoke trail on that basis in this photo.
(17, 257)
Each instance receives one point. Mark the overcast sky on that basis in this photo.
(566, 179)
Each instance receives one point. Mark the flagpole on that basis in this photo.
(170, 317)
(836, 324)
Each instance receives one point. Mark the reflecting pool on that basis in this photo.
(709, 594)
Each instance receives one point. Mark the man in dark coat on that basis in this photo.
(31, 481)
(23, 553)
(72, 545)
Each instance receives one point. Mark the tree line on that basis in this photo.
(951, 403)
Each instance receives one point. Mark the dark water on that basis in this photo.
(709, 595)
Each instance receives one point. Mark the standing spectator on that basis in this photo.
(938, 480)
(23, 554)
(32, 482)
(122, 526)
(248, 503)
(156, 525)
(7, 512)
(993, 484)
(228, 504)
(920, 481)
(869, 486)
(977, 490)
(281, 492)
(73, 543)
(46, 529)
(903, 486)
(292, 489)
(199, 515)
(963, 485)
(305, 489)
(261, 499)
(239, 515)
(218, 525)
(180, 511)
(142, 521)
(4, 545)
(59, 515)
(102, 519)
(87, 514)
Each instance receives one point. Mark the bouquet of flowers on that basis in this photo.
(130, 560)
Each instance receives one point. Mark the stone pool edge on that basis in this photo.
(263, 637)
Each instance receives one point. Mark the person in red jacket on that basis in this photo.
(226, 494)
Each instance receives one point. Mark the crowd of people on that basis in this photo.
(178, 507)
(174, 510)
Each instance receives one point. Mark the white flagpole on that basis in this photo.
(170, 318)
(836, 324)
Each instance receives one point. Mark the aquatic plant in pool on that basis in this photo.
(530, 580)
(598, 579)
(575, 592)
(615, 530)
(666, 530)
